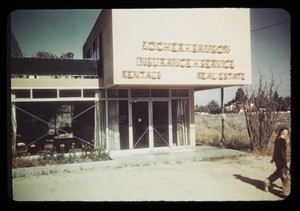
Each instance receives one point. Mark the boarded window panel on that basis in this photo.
(159, 93)
(21, 93)
(123, 93)
(140, 93)
(89, 92)
(70, 93)
(180, 92)
(44, 93)
(117, 93)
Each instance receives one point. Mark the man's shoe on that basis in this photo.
(267, 184)
(284, 195)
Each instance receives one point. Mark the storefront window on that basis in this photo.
(180, 92)
(68, 123)
(117, 93)
(118, 124)
(89, 92)
(135, 93)
(100, 122)
(159, 93)
(180, 122)
(113, 125)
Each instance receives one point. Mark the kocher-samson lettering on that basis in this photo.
(181, 47)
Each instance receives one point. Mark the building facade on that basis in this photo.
(147, 65)
(14, 46)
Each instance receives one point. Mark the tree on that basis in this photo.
(201, 109)
(287, 104)
(213, 107)
(45, 54)
(68, 55)
(284, 104)
(260, 107)
(236, 101)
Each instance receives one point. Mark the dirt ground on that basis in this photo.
(228, 179)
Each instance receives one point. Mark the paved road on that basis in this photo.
(238, 177)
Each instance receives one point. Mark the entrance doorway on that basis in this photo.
(140, 124)
(150, 122)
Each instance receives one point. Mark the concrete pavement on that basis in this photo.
(197, 153)
(190, 154)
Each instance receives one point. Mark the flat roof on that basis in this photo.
(54, 66)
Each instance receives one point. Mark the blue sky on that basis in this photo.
(62, 31)
(270, 54)
(55, 31)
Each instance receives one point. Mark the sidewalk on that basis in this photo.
(163, 176)
(197, 153)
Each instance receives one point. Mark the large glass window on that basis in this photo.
(100, 122)
(123, 124)
(160, 123)
(68, 123)
(180, 122)
(118, 124)
(108, 127)
(100, 125)
(113, 125)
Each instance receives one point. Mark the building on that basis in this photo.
(54, 93)
(133, 92)
(15, 48)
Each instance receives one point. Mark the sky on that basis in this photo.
(270, 54)
(61, 31)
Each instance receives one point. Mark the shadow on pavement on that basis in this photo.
(260, 185)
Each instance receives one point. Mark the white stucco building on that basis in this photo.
(133, 92)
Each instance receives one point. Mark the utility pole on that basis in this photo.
(222, 115)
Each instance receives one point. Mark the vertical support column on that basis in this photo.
(150, 117)
(97, 132)
(192, 118)
(14, 126)
(130, 120)
(106, 123)
(170, 127)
